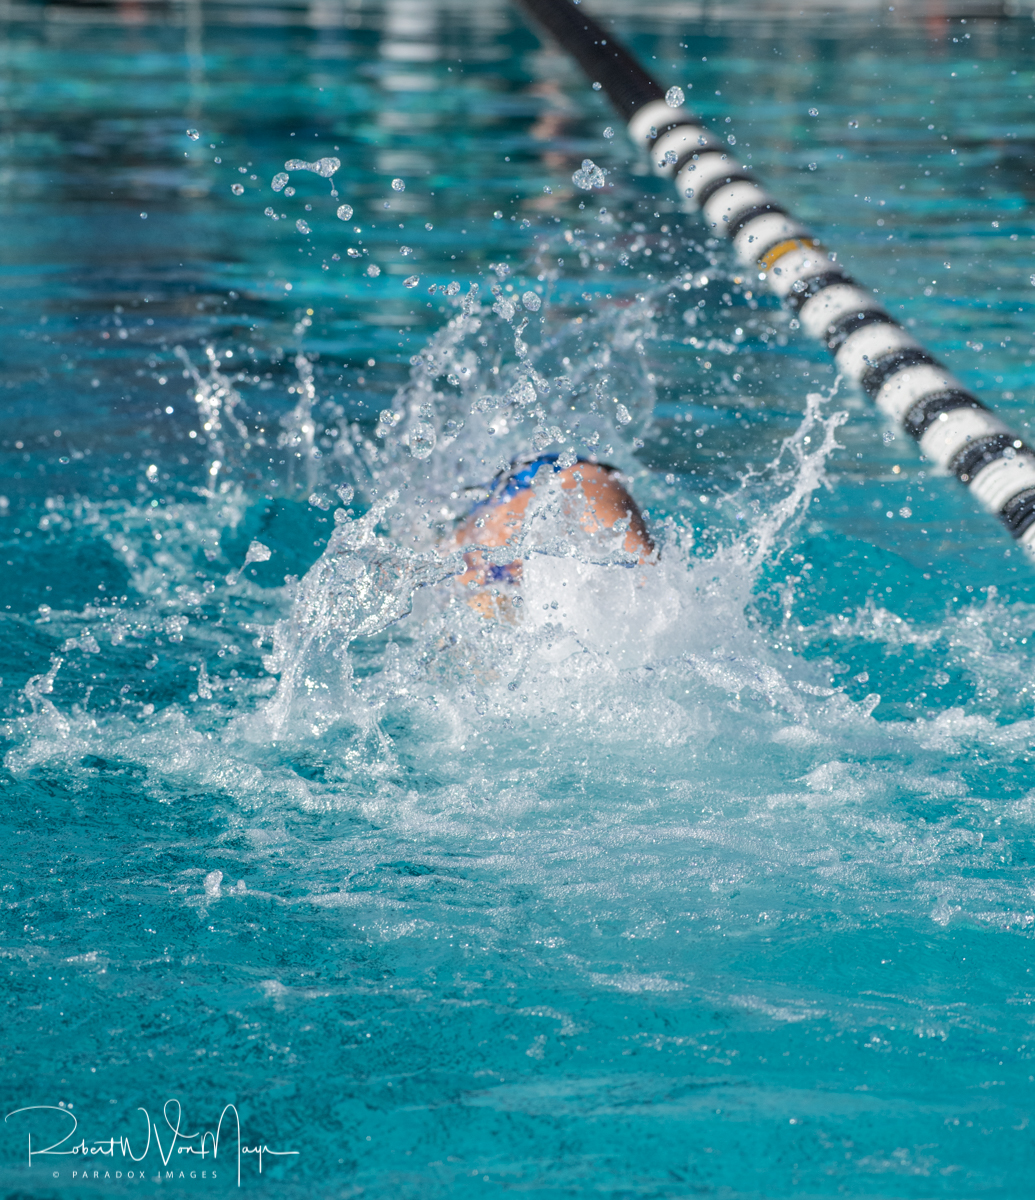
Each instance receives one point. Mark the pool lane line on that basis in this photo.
(907, 383)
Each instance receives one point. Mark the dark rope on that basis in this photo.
(626, 83)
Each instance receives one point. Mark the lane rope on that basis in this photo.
(954, 429)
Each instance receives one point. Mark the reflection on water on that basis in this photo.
(710, 872)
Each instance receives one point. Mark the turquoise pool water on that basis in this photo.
(709, 878)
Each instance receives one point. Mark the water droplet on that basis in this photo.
(813, 166)
(278, 181)
(567, 458)
(521, 393)
(609, 132)
(505, 307)
(674, 97)
(302, 227)
(531, 301)
(319, 500)
(422, 440)
(324, 167)
(237, 189)
(589, 176)
(853, 124)
(498, 215)
(411, 281)
(193, 134)
(398, 185)
(731, 139)
(289, 191)
(344, 212)
(622, 415)
(373, 270)
(454, 287)
(596, 86)
(269, 212)
(813, 112)
(346, 492)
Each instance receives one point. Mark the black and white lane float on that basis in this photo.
(953, 428)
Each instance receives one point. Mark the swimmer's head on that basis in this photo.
(605, 506)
